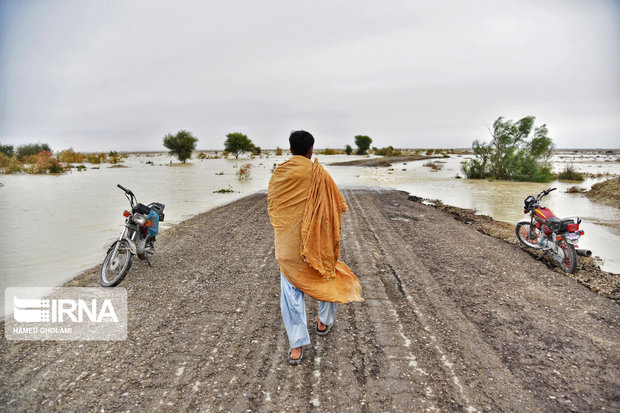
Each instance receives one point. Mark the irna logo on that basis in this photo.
(62, 310)
(65, 313)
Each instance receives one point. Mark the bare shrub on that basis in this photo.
(434, 166)
(244, 172)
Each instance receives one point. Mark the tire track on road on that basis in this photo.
(398, 370)
(434, 311)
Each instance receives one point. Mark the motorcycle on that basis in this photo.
(544, 231)
(137, 238)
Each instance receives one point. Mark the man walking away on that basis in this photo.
(305, 208)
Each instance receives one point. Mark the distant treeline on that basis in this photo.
(37, 158)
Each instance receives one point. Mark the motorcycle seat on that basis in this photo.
(553, 223)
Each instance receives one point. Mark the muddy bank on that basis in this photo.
(588, 273)
(607, 192)
(453, 320)
(385, 161)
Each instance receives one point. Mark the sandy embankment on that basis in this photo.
(587, 273)
(607, 192)
(453, 320)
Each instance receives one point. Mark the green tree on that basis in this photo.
(30, 149)
(348, 150)
(237, 143)
(363, 143)
(181, 145)
(7, 150)
(518, 151)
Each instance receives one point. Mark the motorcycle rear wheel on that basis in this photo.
(116, 266)
(523, 233)
(569, 262)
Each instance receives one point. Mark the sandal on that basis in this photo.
(322, 332)
(295, 362)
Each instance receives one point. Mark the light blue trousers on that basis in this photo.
(293, 306)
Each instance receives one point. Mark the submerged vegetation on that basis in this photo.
(237, 143)
(224, 191)
(244, 172)
(388, 151)
(518, 151)
(32, 158)
(434, 166)
(69, 156)
(31, 149)
(329, 151)
(363, 144)
(114, 158)
(7, 150)
(42, 163)
(570, 174)
(96, 158)
(38, 158)
(575, 190)
(181, 145)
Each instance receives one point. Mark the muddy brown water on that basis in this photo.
(453, 320)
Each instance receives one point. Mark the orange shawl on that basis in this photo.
(305, 208)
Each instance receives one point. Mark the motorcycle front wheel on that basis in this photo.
(116, 264)
(528, 239)
(568, 257)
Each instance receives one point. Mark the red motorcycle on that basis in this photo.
(544, 231)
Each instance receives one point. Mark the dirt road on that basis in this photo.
(454, 320)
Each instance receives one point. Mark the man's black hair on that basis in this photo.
(301, 142)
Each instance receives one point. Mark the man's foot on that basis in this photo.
(322, 329)
(295, 355)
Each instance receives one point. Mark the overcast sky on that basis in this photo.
(119, 75)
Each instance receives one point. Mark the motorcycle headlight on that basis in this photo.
(139, 219)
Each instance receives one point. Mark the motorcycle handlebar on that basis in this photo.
(546, 192)
(124, 189)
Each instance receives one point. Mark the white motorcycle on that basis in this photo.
(137, 238)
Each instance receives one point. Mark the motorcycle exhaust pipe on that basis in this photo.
(583, 252)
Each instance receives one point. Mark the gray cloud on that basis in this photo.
(119, 75)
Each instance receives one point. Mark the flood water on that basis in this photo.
(55, 227)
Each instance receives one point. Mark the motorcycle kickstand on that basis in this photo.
(146, 258)
(537, 259)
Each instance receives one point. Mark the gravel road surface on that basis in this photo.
(454, 320)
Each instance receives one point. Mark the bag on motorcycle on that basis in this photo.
(154, 218)
(159, 208)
